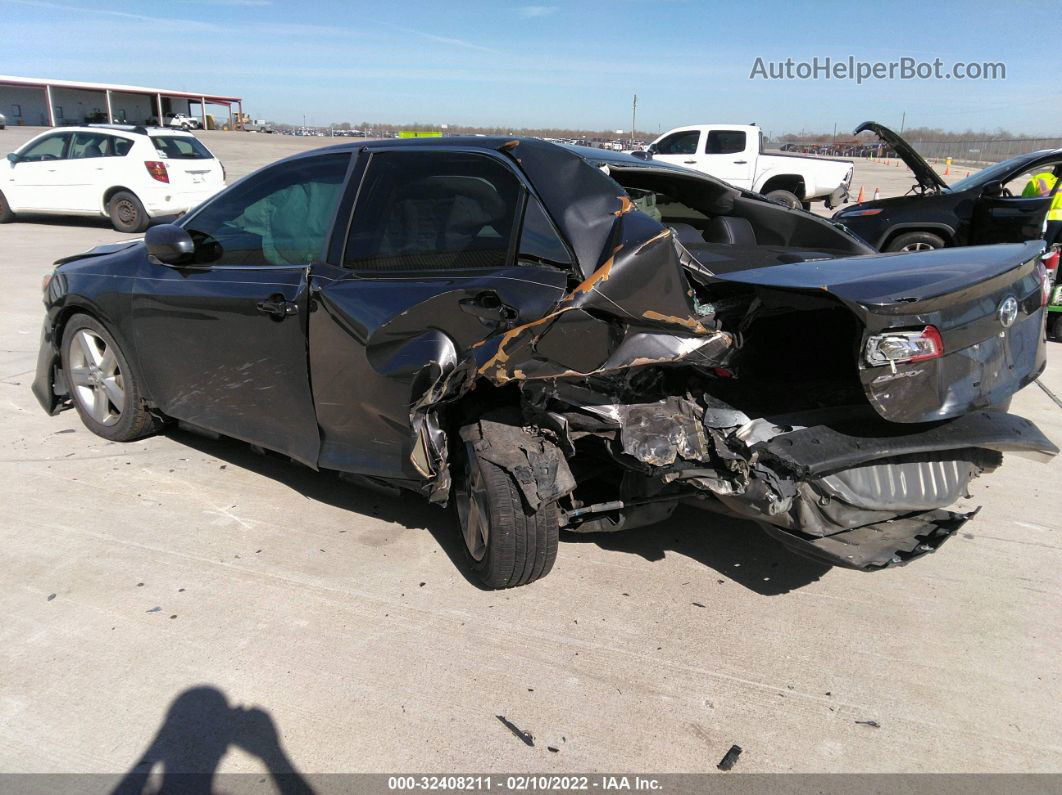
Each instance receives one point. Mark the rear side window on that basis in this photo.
(86, 144)
(680, 143)
(183, 147)
(725, 142)
(433, 211)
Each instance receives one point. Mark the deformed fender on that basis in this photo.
(537, 465)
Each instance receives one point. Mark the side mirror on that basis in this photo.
(14, 158)
(169, 244)
(993, 188)
(651, 149)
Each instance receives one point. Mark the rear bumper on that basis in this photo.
(172, 201)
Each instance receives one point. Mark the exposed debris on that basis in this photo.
(526, 737)
(871, 723)
(730, 758)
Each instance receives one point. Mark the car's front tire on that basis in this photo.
(127, 212)
(506, 542)
(103, 387)
(915, 241)
(7, 215)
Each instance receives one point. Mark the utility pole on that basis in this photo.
(903, 121)
(634, 117)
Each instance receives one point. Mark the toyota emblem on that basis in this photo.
(1007, 311)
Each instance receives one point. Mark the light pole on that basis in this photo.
(634, 117)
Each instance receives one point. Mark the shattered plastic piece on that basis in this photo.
(730, 758)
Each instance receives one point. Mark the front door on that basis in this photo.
(679, 148)
(1017, 214)
(444, 249)
(36, 181)
(221, 342)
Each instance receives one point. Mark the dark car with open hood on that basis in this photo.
(559, 338)
(986, 207)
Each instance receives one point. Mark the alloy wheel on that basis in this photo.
(918, 247)
(474, 513)
(96, 377)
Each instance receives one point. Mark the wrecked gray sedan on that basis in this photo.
(553, 338)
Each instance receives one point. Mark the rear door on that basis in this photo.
(445, 248)
(1018, 213)
(729, 155)
(221, 342)
(90, 169)
(36, 181)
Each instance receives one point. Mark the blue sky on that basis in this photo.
(543, 63)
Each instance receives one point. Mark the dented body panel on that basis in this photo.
(701, 344)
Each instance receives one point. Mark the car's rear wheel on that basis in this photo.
(104, 389)
(785, 197)
(915, 241)
(507, 543)
(6, 213)
(127, 212)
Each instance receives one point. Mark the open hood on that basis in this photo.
(924, 173)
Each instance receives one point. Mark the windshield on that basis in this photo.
(182, 147)
(998, 171)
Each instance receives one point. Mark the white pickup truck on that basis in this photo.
(734, 153)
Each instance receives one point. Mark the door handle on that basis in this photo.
(689, 162)
(740, 162)
(488, 306)
(278, 307)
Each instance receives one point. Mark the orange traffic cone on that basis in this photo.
(877, 194)
(859, 199)
(947, 170)
(967, 174)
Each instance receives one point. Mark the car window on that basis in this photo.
(725, 142)
(181, 147)
(50, 148)
(92, 144)
(278, 217)
(1033, 183)
(433, 211)
(680, 143)
(539, 240)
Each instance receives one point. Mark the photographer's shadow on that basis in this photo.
(199, 728)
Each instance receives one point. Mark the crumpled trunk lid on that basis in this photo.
(961, 292)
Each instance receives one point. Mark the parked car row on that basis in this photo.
(551, 337)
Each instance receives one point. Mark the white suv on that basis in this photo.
(129, 174)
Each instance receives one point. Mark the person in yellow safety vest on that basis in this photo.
(1041, 185)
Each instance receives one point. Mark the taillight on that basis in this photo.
(1045, 282)
(1050, 259)
(904, 347)
(157, 170)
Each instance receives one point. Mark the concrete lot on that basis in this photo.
(133, 574)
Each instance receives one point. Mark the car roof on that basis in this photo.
(125, 129)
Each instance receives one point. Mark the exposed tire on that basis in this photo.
(506, 543)
(127, 213)
(784, 197)
(103, 387)
(915, 241)
(6, 214)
